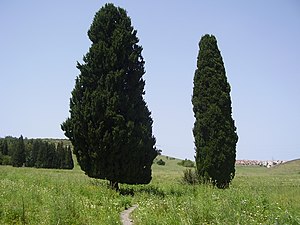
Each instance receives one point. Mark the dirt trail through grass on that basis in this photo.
(125, 215)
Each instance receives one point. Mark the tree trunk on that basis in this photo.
(114, 185)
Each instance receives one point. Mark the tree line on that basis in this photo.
(37, 153)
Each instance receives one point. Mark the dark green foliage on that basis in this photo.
(51, 155)
(61, 154)
(1, 149)
(8, 148)
(170, 158)
(161, 162)
(28, 152)
(110, 125)
(65, 159)
(214, 129)
(6, 160)
(186, 163)
(190, 177)
(4, 147)
(42, 155)
(18, 157)
(36, 153)
(69, 164)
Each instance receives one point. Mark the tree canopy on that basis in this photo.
(110, 125)
(214, 130)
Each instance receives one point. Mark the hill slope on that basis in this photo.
(288, 168)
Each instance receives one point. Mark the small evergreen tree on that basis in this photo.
(214, 130)
(60, 150)
(186, 163)
(110, 125)
(1, 150)
(35, 152)
(69, 164)
(29, 150)
(42, 155)
(161, 162)
(4, 147)
(51, 159)
(18, 157)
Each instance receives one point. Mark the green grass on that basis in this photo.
(40, 196)
(257, 196)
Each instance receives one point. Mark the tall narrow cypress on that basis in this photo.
(18, 156)
(110, 125)
(214, 130)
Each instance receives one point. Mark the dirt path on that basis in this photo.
(125, 215)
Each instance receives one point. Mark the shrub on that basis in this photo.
(6, 160)
(161, 162)
(186, 163)
(190, 177)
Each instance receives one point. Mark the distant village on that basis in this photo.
(266, 163)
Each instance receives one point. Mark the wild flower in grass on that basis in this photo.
(244, 202)
(214, 197)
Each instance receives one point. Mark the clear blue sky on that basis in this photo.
(41, 41)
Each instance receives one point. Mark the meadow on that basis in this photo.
(43, 196)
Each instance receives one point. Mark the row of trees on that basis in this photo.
(110, 125)
(35, 153)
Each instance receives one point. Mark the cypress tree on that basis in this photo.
(69, 164)
(35, 152)
(28, 152)
(4, 147)
(18, 157)
(60, 155)
(1, 149)
(51, 159)
(41, 160)
(214, 130)
(110, 125)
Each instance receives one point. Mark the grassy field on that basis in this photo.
(256, 196)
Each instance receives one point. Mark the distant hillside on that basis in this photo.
(290, 167)
(170, 169)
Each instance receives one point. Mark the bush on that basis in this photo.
(6, 160)
(170, 158)
(161, 162)
(186, 163)
(190, 177)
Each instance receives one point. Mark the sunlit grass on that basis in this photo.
(40, 196)
(257, 196)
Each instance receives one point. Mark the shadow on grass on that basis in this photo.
(151, 190)
(131, 190)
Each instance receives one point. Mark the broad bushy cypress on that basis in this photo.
(110, 125)
(214, 130)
